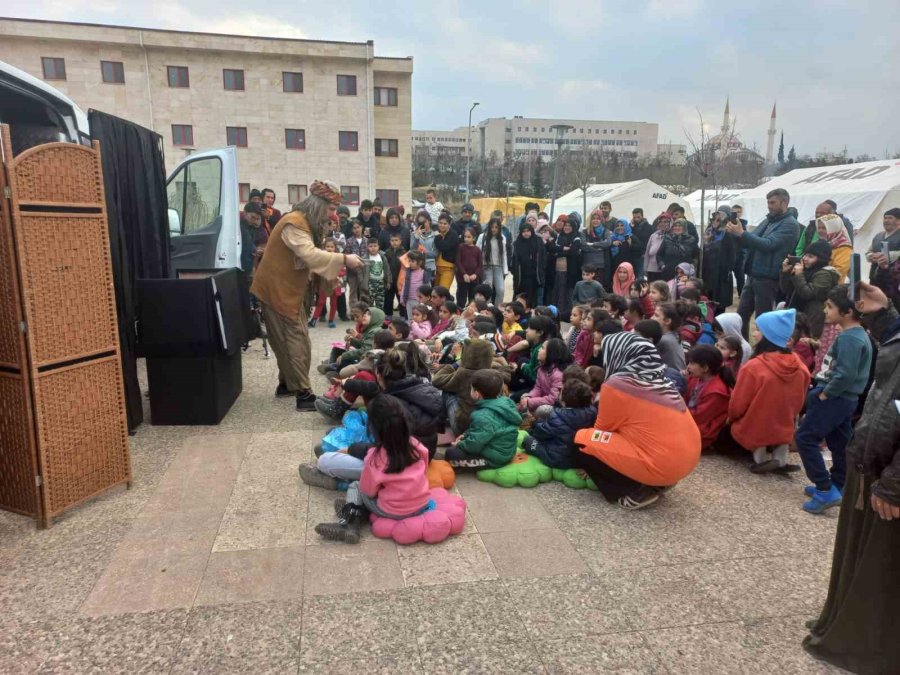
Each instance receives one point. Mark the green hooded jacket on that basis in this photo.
(364, 343)
(493, 431)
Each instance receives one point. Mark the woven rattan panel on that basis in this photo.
(18, 491)
(10, 335)
(82, 432)
(59, 173)
(69, 297)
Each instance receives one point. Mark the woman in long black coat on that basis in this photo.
(528, 263)
(567, 269)
(719, 254)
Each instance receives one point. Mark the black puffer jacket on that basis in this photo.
(421, 400)
(875, 448)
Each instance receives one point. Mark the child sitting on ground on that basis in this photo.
(615, 305)
(651, 330)
(732, 353)
(803, 344)
(333, 407)
(540, 329)
(584, 345)
(421, 325)
(670, 350)
(455, 380)
(659, 293)
(359, 339)
(634, 312)
(553, 357)
(640, 291)
(570, 337)
(512, 313)
(551, 440)
(399, 328)
(490, 440)
(596, 375)
(393, 483)
(708, 391)
(769, 393)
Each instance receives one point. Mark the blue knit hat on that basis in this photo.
(778, 326)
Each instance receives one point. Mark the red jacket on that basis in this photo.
(769, 394)
(711, 409)
(584, 348)
(647, 306)
(468, 261)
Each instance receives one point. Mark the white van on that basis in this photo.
(204, 219)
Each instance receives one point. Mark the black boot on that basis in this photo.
(282, 391)
(306, 401)
(332, 408)
(347, 528)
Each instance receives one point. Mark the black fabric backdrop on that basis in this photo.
(134, 175)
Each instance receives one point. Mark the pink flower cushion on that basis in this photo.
(447, 516)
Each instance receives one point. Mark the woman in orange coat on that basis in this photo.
(769, 394)
(644, 437)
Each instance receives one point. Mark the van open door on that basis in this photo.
(204, 220)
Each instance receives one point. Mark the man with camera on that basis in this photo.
(767, 247)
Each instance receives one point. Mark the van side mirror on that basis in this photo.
(174, 223)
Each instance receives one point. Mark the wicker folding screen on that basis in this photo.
(63, 431)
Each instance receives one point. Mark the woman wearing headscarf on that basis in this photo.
(719, 255)
(528, 263)
(548, 234)
(622, 240)
(567, 267)
(644, 437)
(679, 246)
(595, 249)
(652, 265)
(831, 228)
(622, 279)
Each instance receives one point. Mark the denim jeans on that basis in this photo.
(493, 276)
(827, 420)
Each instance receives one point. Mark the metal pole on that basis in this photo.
(555, 178)
(469, 150)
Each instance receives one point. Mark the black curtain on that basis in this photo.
(134, 175)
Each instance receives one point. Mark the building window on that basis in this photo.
(346, 85)
(295, 139)
(292, 82)
(388, 197)
(182, 134)
(113, 72)
(348, 141)
(297, 193)
(350, 194)
(385, 147)
(236, 136)
(178, 76)
(244, 192)
(386, 96)
(54, 69)
(620, 132)
(233, 79)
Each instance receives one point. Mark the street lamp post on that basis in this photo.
(561, 130)
(469, 150)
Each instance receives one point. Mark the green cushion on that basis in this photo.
(572, 479)
(524, 471)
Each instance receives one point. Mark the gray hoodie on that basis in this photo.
(731, 324)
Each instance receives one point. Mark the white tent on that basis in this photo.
(624, 197)
(863, 193)
(712, 201)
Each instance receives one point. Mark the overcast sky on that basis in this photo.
(832, 65)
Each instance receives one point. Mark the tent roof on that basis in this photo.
(624, 197)
(862, 192)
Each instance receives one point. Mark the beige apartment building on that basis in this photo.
(533, 136)
(297, 110)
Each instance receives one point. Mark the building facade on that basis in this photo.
(297, 110)
(528, 135)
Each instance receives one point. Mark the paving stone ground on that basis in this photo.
(209, 564)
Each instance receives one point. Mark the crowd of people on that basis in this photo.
(613, 359)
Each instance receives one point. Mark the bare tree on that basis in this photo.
(581, 172)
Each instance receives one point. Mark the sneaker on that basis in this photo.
(324, 367)
(331, 408)
(281, 391)
(331, 324)
(315, 478)
(823, 500)
(306, 402)
(809, 490)
(529, 444)
(339, 506)
(318, 451)
(639, 499)
(312, 323)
